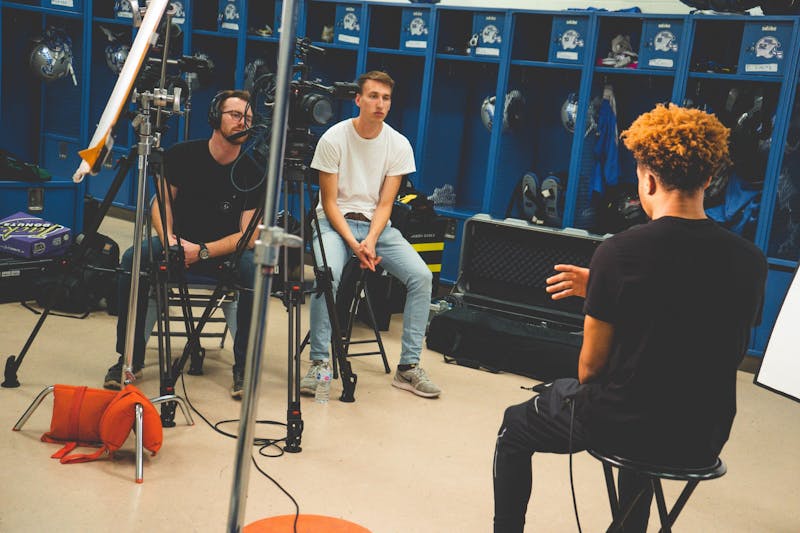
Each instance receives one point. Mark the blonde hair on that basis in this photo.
(683, 147)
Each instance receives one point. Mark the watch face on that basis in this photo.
(203, 253)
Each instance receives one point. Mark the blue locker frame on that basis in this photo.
(44, 129)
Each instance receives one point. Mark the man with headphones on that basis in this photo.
(212, 196)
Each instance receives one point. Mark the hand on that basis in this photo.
(173, 240)
(367, 259)
(368, 246)
(191, 252)
(571, 281)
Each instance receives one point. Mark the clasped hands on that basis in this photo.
(365, 252)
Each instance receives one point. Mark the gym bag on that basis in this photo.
(99, 418)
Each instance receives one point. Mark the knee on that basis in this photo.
(420, 279)
(127, 259)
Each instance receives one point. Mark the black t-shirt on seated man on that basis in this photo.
(208, 205)
(683, 296)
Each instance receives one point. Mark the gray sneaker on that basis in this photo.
(308, 384)
(416, 381)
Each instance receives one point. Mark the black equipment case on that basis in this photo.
(504, 320)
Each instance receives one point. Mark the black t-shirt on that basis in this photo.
(210, 197)
(683, 296)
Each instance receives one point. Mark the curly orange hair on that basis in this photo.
(683, 147)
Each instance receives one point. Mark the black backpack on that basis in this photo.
(86, 287)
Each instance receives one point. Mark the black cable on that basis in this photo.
(263, 443)
(571, 484)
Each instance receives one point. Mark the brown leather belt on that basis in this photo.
(356, 216)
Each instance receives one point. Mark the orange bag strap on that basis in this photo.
(74, 419)
(63, 454)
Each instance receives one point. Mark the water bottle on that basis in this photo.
(323, 392)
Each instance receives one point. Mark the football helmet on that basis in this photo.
(116, 54)
(665, 41)
(571, 40)
(569, 113)
(513, 110)
(51, 56)
(768, 47)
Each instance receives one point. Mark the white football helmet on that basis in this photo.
(769, 47)
(665, 41)
(570, 40)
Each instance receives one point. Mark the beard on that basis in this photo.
(232, 131)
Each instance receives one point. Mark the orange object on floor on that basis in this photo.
(306, 523)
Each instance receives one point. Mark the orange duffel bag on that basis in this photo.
(99, 418)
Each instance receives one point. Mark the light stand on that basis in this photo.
(265, 256)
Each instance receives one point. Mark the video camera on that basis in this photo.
(311, 104)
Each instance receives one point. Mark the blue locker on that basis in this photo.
(568, 39)
(229, 16)
(660, 44)
(487, 34)
(348, 24)
(59, 202)
(765, 47)
(415, 29)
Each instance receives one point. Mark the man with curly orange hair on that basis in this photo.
(669, 309)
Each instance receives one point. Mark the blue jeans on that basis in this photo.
(245, 275)
(400, 260)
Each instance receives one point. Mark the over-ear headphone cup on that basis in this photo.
(214, 114)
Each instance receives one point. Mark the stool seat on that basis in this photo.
(677, 473)
(655, 473)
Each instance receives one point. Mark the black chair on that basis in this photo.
(655, 473)
(351, 295)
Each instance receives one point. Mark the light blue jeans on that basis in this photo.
(400, 260)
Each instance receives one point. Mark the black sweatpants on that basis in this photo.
(542, 424)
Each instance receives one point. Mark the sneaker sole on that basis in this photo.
(236, 394)
(410, 388)
(113, 384)
(307, 391)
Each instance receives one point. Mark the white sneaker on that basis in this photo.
(308, 384)
(417, 381)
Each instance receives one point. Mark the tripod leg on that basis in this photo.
(72, 260)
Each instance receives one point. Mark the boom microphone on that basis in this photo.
(239, 134)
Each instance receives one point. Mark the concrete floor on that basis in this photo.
(391, 462)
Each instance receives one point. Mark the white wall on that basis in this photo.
(647, 6)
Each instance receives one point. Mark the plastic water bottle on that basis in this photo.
(323, 392)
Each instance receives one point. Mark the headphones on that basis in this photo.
(214, 110)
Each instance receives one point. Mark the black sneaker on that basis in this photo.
(238, 384)
(114, 375)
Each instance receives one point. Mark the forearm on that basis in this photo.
(339, 223)
(379, 220)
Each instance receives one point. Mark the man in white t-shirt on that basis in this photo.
(361, 163)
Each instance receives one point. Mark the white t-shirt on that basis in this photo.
(362, 164)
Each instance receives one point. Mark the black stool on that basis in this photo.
(352, 293)
(655, 473)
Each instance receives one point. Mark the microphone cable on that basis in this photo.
(571, 483)
(262, 442)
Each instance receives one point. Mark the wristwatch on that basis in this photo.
(203, 253)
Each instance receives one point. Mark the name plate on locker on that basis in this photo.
(765, 47)
(74, 5)
(348, 24)
(568, 39)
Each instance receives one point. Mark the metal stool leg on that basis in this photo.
(29, 411)
(375, 329)
(181, 403)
